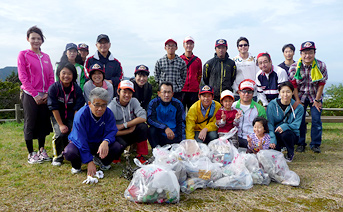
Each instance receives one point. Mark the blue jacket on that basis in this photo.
(167, 114)
(276, 117)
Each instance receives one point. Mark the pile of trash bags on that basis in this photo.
(190, 165)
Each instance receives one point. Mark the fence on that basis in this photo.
(18, 113)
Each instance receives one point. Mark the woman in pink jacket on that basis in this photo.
(36, 75)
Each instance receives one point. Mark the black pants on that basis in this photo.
(138, 135)
(156, 138)
(286, 139)
(189, 98)
(60, 140)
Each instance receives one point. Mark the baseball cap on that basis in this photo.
(98, 67)
(170, 40)
(225, 94)
(262, 53)
(71, 46)
(206, 89)
(82, 46)
(142, 68)
(247, 84)
(126, 84)
(221, 42)
(103, 36)
(188, 38)
(308, 45)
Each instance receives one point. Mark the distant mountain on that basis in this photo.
(4, 72)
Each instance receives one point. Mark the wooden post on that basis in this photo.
(17, 113)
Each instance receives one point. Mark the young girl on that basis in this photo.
(65, 98)
(36, 75)
(227, 118)
(260, 139)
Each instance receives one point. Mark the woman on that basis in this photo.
(284, 119)
(71, 55)
(36, 75)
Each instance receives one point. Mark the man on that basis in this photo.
(194, 73)
(83, 51)
(130, 118)
(246, 66)
(201, 117)
(143, 89)
(268, 79)
(166, 118)
(220, 71)
(308, 77)
(113, 69)
(288, 51)
(93, 133)
(171, 68)
(250, 110)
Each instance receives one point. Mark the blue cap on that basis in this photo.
(220, 42)
(71, 46)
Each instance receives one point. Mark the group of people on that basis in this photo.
(95, 114)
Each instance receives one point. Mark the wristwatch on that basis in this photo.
(125, 124)
(318, 100)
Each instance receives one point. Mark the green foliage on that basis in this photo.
(334, 100)
(13, 78)
(154, 85)
(9, 96)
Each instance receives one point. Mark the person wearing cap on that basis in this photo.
(268, 79)
(166, 118)
(83, 50)
(201, 117)
(288, 51)
(194, 73)
(92, 140)
(249, 109)
(103, 56)
(227, 117)
(97, 79)
(143, 89)
(171, 68)
(246, 66)
(309, 76)
(220, 71)
(70, 55)
(130, 118)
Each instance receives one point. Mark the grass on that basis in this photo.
(42, 187)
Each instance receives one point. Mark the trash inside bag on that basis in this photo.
(222, 151)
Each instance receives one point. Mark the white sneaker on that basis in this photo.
(33, 158)
(57, 161)
(75, 171)
(43, 156)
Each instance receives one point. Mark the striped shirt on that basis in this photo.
(254, 141)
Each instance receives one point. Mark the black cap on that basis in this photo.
(103, 36)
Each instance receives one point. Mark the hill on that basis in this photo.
(4, 72)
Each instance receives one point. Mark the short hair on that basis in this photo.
(288, 84)
(165, 83)
(263, 121)
(144, 73)
(242, 38)
(36, 30)
(99, 93)
(291, 46)
(69, 66)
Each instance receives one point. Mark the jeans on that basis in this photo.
(316, 127)
(156, 137)
(209, 137)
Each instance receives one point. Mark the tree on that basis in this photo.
(13, 78)
(154, 85)
(9, 96)
(333, 99)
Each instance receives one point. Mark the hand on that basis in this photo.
(238, 114)
(38, 99)
(120, 126)
(64, 129)
(272, 146)
(91, 169)
(131, 129)
(249, 140)
(318, 105)
(103, 149)
(279, 129)
(223, 116)
(170, 134)
(202, 134)
(45, 98)
(259, 144)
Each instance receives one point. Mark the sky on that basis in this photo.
(138, 29)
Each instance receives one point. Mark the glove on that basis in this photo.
(99, 174)
(90, 180)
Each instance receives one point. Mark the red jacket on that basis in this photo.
(194, 73)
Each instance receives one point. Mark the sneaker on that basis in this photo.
(99, 163)
(57, 161)
(33, 158)
(43, 155)
(289, 159)
(300, 149)
(75, 171)
(116, 161)
(141, 158)
(316, 149)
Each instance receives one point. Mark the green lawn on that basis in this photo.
(42, 187)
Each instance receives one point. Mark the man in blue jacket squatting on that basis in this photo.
(93, 133)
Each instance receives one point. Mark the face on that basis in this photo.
(288, 53)
(83, 52)
(258, 129)
(286, 94)
(166, 93)
(189, 46)
(206, 99)
(125, 96)
(97, 77)
(264, 64)
(307, 56)
(98, 107)
(243, 47)
(227, 103)
(35, 40)
(141, 79)
(246, 95)
(66, 76)
(71, 54)
(103, 46)
(170, 48)
(221, 51)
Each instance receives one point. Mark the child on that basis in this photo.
(64, 99)
(227, 118)
(260, 139)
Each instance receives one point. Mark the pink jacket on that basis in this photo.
(35, 72)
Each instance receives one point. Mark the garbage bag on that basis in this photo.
(192, 150)
(222, 151)
(203, 168)
(191, 184)
(257, 174)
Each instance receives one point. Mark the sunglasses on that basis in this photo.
(247, 91)
(241, 45)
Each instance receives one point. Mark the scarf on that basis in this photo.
(316, 75)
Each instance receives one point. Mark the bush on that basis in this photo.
(154, 85)
(9, 96)
(333, 99)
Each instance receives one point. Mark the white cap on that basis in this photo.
(126, 84)
(225, 94)
(187, 39)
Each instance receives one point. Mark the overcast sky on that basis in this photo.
(138, 29)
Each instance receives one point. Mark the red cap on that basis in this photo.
(170, 40)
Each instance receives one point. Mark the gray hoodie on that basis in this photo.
(125, 114)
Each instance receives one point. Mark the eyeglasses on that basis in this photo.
(263, 62)
(247, 92)
(241, 45)
(170, 46)
(97, 106)
(166, 92)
